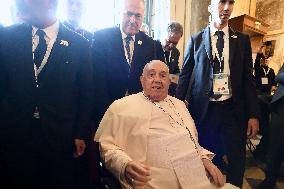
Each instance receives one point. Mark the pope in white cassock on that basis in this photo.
(149, 140)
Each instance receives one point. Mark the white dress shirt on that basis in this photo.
(129, 60)
(226, 55)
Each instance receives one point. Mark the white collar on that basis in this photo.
(50, 31)
(213, 29)
(124, 35)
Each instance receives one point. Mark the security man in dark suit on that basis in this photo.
(276, 135)
(74, 10)
(119, 55)
(217, 81)
(174, 33)
(265, 85)
(45, 99)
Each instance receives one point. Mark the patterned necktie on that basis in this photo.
(40, 49)
(127, 47)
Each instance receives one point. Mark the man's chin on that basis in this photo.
(131, 32)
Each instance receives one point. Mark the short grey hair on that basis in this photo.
(175, 27)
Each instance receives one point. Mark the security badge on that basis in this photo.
(221, 84)
(264, 81)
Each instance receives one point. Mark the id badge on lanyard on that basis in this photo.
(221, 84)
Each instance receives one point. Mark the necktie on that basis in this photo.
(219, 62)
(127, 47)
(167, 56)
(40, 49)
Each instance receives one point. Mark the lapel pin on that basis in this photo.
(65, 43)
(234, 36)
(139, 42)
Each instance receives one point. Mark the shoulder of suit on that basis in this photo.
(72, 35)
(17, 28)
(143, 36)
(198, 34)
(107, 31)
(175, 50)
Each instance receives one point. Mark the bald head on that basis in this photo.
(155, 80)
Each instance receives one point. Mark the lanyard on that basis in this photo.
(37, 71)
(216, 53)
(266, 72)
(170, 56)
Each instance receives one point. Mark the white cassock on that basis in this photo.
(134, 128)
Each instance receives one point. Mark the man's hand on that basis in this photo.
(80, 147)
(214, 173)
(253, 127)
(137, 174)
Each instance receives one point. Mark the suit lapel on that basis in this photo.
(58, 52)
(117, 43)
(25, 44)
(207, 43)
(136, 47)
(232, 46)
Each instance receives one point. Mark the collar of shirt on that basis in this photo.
(50, 31)
(213, 29)
(124, 35)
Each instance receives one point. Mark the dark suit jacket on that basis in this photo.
(173, 62)
(88, 35)
(279, 93)
(259, 73)
(64, 97)
(112, 74)
(196, 78)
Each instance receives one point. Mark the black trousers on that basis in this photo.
(276, 141)
(223, 132)
(54, 168)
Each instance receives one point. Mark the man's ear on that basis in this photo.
(210, 9)
(141, 80)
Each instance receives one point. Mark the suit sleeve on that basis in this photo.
(273, 77)
(280, 77)
(176, 64)
(249, 82)
(158, 50)
(187, 68)
(85, 98)
(99, 62)
(3, 74)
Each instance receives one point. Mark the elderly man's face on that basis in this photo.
(133, 16)
(221, 10)
(74, 10)
(155, 80)
(171, 41)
